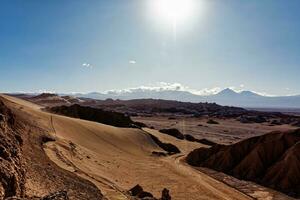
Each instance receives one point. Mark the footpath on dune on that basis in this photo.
(26, 173)
(116, 159)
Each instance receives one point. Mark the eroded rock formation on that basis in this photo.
(272, 160)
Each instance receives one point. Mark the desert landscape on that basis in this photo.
(149, 100)
(85, 159)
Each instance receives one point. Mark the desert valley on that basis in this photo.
(149, 100)
(57, 148)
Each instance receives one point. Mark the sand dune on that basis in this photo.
(115, 159)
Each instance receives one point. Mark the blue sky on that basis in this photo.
(45, 44)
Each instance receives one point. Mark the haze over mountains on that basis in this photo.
(227, 97)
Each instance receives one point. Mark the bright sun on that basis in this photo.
(174, 11)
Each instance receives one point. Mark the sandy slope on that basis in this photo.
(116, 159)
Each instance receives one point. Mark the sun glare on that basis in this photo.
(173, 12)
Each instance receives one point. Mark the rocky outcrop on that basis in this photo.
(138, 193)
(177, 134)
(165, 194)
(12, 173)
(202, 141)
(94, 114)
(272, 160)
(22, 160)
(173, 132)
(252, 119)
(168, 147)
(211, 121)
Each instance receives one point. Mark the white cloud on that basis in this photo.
(133, 62)
(160, 86)
(163, 86)
(47, 91)
(87, 65)
(207, 91)
(264, 94)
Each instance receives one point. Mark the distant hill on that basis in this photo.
(150, 107)
(226, 97)
(49, 99)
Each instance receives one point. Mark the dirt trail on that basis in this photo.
(56, 151)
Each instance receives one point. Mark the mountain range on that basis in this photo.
(227, 97)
